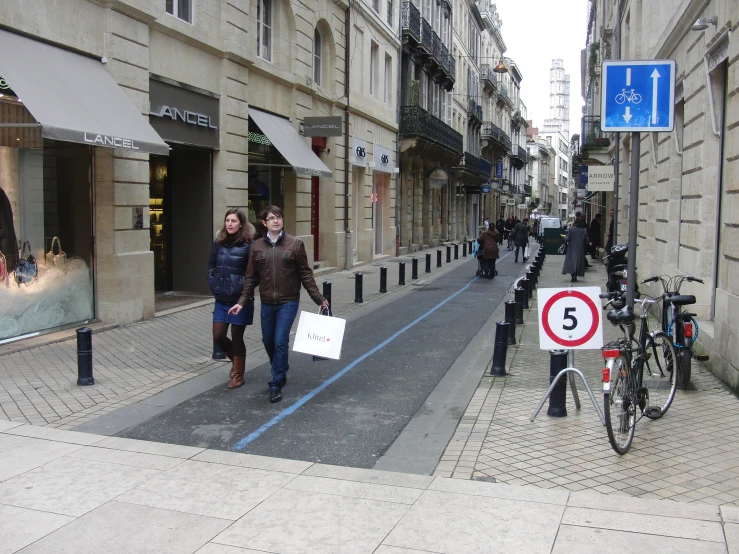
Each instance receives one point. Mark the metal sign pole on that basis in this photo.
(633, 217)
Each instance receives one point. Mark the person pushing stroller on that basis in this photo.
(488, 251)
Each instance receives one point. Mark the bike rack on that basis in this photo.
(571, 371)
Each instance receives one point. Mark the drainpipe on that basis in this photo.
(399, 101)
(347, 166)
(617, 160)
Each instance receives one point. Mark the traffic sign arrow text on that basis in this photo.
(627, 115)
(655, 88)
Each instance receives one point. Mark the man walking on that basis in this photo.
(609, 242)
(278, 265)
(520, 238)
(595, 236)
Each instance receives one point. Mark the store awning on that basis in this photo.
(290, 144)
(73, 97)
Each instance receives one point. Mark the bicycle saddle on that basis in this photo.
(625, 315)
(681, 299)
(685, 316)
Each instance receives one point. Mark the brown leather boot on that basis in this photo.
(230, 356)
(238, 372)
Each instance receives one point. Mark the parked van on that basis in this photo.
(548, 222)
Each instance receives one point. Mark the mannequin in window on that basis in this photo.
(8, 239)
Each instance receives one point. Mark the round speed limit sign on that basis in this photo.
(570, 319)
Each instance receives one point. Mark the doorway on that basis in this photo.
(357, 214)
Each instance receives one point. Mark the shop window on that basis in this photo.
(317, 57)
(181, 9)
(388, 79)
(374, 54)
(264, 29)
(390, 12)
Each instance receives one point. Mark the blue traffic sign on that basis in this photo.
(638, 95)
(485, 188)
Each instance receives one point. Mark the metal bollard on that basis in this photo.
(218, 353)
(327, 291)
(401, 273)
(558, 396)
(383, 279)
(501, 349)
(448, 254)
(464, 249)
(520, 295)
(84, 357)
(428, 263)
(358, 278)
(524, 284)
(456, 251)
(414, 268)
(510, 317)
(438, 258)
(532, 283)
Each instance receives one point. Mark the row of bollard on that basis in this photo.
(505, 331)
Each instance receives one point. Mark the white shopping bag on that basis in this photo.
(319, 335)
(526, 252)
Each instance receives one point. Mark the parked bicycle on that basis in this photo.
(639, 378)
(680, 326)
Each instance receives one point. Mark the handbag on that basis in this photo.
(562, 248)
(56, 260)
(27, 270)
(526, 253)
(319, 335)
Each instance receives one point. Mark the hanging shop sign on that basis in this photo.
(511, 201)
(485, 189)
(597, 178)
(322, 126)
(522, 206)
(358, 153)
(499, 169)
(182, 115)
(383, 159)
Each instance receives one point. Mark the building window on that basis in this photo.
(376, 5)
(374, 52)
(317, 57)
(181, 9)
(264, 29)
(388, 79)
(390, 12)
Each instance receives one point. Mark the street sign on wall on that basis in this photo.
(638, 95)
(570, 318)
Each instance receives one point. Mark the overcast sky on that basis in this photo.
(537, 31)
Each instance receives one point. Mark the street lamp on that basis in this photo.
(704, 22)
(500, 68)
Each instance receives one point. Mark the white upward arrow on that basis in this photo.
(627, 115)
(655, 87)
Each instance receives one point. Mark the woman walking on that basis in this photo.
(488, 240)
(226, 269)
(577, 241)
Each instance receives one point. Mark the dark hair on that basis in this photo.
(271, 210)
(525, 219)
(598, 215)
(580, 222)
(246, 233)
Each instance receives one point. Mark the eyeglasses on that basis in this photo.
(274, 218)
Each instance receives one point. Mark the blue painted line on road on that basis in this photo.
(287, 411)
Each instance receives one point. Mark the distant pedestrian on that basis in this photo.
(508, 230)
(611, 238)
(595, 236)
(500, 226)
(226, 268)
(520, 238)
(486, 223)
(577, 241)
(278, 265)
(488, 241)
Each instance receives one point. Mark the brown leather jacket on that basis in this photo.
(278, 270)
(489, 242)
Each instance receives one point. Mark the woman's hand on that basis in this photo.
(235, 309)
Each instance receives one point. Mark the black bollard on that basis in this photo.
(558, 396)
(428, 263)
(84, 357)
(401, 273)
(524, 284)
(358, 278)
(438, 258)
(501, 349)
(218, 353)
(510, 317)
(327, 291)
(520, 295)
(464, 249)
(532, 284)
(456, 251)
(414, 268)
(383, 279)
(448, 254)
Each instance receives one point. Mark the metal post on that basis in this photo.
(510, 317)
(464, 249)
(401, 273)
(501, 349)
(383, 279)
(633, 215)
(358, 278)
(524, 284)
(532, 282)
(558, 396)
(428, 263)
(438, 258)
(456, 251)
(520, 295)
(573, 386)
(414, 268)
(448, 254)
(327, 291)
(84, 357)
(218, 353)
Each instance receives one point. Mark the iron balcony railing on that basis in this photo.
(470, 162)
(417, 122)
(427, 36)
(486, 168)
(592, 136)
(492, 131)
(444, 55)
(527, 190)
(474, 109)
(488, 76)
(522, 154)
(436, 47)
(411, 20)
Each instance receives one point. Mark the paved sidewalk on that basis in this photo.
(134, 362)
(67, 492)
(690, 455)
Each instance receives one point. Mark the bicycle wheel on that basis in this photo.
(636, 98)
(619, 409)
(659, 374)
(620, 98)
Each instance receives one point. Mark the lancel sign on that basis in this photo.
(185, 116)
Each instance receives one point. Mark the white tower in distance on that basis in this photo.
(559, 97)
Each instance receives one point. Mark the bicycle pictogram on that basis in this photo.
(628, 96)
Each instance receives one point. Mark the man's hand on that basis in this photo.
(324, 305)
(235, 309)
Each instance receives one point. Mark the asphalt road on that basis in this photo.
(353, 420)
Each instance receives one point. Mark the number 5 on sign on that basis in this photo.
(570, 319)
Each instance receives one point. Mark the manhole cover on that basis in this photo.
(485, 479)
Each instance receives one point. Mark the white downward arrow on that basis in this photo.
(627, 115)
(655, 88)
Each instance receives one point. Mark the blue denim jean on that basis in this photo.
(277, 320)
